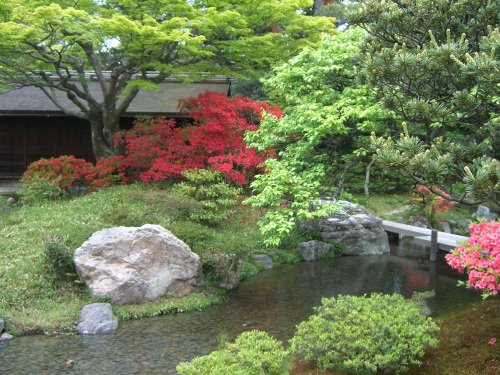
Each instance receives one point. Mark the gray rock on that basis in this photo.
(137, 264)
(425, 310)
(92, 327)
(11, 201)
(97, 319)
(313, 250)
(2, 324)
(356, 230)
(96, 311)
(264, 260)
(418, 221)
(445, 226)
(6, 337)
(232, 276)
(484, 213)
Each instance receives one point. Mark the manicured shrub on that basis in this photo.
(39, 189)
(55, 177)
(253, 353)
(362, 335)
(157, 149)
(479, 257)
(209, 189)
(59, 257)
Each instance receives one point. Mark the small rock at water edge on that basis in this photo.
(96, 319)
(264, 260)
(6, 337)
(313, 250)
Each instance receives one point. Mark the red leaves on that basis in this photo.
(65, 171)
(158, 149)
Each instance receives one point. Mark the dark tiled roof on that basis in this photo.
(30, 99)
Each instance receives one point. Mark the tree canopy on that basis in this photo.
(435, 64)
(52, 45)
(325, 129)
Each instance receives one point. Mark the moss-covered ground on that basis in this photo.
(35, 298)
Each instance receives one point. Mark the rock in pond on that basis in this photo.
(356, 230)
(137, 264)
(264, 259)
(6, 337)
(313, 250)
(97, 319)
(232, 278)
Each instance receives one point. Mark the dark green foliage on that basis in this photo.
(363, 335)
(253, 353)
(435, 64)
(59, 256)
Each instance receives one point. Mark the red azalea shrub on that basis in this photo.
(64, 171)
(429, 203)
(157, 149)
(108, 172)
(480, 258)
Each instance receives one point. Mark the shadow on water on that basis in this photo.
(274, 301)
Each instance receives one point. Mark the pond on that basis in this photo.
(274, 301)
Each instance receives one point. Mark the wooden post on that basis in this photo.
(434, 245)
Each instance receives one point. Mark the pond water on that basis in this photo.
(274, 301)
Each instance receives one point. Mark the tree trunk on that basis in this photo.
(318, 4)
(367, 176)
(103, 129)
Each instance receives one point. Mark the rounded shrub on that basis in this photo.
(362, 335)
(55, 177)
(252, 353)
(215, 196)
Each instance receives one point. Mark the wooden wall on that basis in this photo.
(24, 139)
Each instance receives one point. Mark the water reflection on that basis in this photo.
(274, 301)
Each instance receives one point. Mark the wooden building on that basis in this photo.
(32, 127)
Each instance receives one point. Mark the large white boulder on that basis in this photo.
(137, 264)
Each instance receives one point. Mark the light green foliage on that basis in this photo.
(130, 38)
(326, 123)
(209, 189)
(435, 63)
(252, 353)
(362, 335)
(41, 189)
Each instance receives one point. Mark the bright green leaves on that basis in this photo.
(365, 335)
(324, 109)
(290, 190)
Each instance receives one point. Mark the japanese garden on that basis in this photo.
(249, 187)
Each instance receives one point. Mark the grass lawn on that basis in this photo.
(34, 298)
(463, 348)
